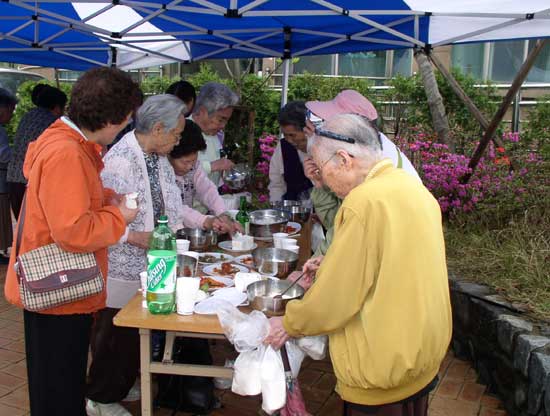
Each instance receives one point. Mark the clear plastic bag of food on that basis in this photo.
(315, 347)
(248, 372)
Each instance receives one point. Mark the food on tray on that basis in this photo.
(241, 242)
(290, 230)
(248, 260)
(227, 269)
(209, 258)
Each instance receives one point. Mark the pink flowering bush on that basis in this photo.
(267, 144)
(494, 185)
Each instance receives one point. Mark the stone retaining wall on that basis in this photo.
(510, 352)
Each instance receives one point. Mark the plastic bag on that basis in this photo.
(245, 332)
(315, 347)
(295, 357)
(273, 381)
(248, 372)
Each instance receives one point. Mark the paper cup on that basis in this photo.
(186, 293)
(143, 282)
(277, 237)
(182, 245)
(294, 248)
(285, 242)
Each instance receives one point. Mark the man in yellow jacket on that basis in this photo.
(381, 292)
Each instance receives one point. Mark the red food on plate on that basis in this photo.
(211, 282)
(290, 230)
(227, 269)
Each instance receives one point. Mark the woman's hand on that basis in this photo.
(129, 214)
(312, 172)
(139, 239)
(221, 164)
(277, 334)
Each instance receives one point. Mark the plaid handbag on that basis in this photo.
(50, 277)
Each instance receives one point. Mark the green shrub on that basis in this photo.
(156, 85)
(537, 129)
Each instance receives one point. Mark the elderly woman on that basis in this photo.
(384, 277)
(195, 184)
(67, 204)
(212, 111)
(137, 163)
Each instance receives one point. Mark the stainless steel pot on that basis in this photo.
(261, 296)
(237, 177)
(199, 240)
(276, 262)
(266, 222)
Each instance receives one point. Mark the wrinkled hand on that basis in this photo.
(311, 266)
(305, 281)
(277, 334)
(312, 173)
(116, 199)
(221, 164)
(128, 213)
(139, 239)
(231, 226)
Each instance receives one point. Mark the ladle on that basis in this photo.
(280, 295)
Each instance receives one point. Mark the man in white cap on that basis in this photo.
(326, 203)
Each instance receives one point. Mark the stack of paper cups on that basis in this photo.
(277, 239)
(143, 282)
(182, 246)
(186, 293)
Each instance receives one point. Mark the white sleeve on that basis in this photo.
(277, 184)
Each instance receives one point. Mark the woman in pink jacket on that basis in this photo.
(194, 183)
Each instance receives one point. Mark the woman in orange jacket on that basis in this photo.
(66, 204)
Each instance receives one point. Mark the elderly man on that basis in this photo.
(137, 163)
(381, 292)
(326, 203)
(286, 173)
(212, 111)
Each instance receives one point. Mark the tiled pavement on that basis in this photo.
(458, 393)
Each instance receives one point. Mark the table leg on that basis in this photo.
(146, 385)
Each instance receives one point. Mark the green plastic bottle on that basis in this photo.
(242, 216)
(161, 269)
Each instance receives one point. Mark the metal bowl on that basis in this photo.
(266, 222)
(276, 262)
(199, 239)
(261, 296)
(237, 177)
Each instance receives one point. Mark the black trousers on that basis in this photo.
(115, 359)
(57, 356)
(16, 191)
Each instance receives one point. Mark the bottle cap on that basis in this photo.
(163, 219)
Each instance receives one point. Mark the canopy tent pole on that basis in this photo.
(286, 71)
(461, 94)
(499, 115)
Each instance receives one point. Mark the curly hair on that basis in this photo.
(191, 141)
(102, 96)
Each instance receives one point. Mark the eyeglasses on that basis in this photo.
(322, 165)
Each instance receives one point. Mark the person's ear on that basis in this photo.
(158, 128)
(345, 159)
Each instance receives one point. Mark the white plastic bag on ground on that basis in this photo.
(315, 347)
(273, 381)
(248, 372)
(295, 357)
(245, 332)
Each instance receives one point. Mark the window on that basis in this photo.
(402, 62)
(469, 59)
(363, 64)
(540, 72)
(318, 64)
(505, 60)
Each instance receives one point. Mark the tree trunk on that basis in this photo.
(435, 102)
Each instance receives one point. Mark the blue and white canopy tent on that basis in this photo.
(133, 33)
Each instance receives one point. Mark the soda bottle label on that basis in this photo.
(161, 274)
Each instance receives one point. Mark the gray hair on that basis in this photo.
(164, 108)
(367, 143)
(7, 99)
(214, 96)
